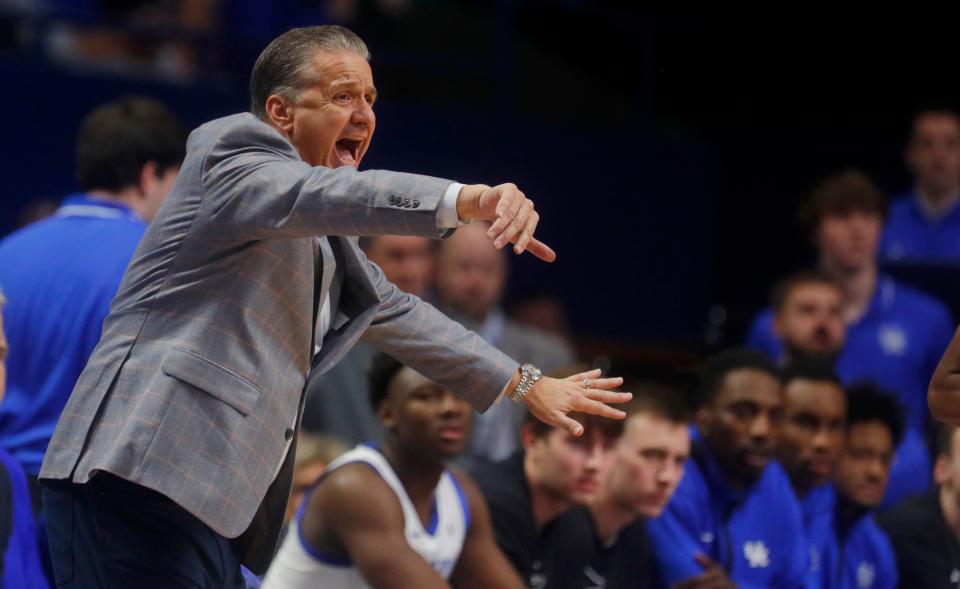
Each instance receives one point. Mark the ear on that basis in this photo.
(526, 437)
(704, 421)
(148, 177)
(941, 473)
(387, 415)
(280, 113)
(777, 326)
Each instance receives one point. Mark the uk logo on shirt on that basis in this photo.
(865, 575)
(757, 554)
(893, 340)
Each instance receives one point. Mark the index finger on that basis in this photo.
(541, 250)
(586, 405)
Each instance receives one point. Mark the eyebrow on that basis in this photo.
(351, 83)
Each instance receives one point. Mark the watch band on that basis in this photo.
(529, 375)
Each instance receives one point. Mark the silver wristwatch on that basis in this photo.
(529, 375)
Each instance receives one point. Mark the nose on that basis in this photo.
(669, 474)
(594, 455)
(760, 427)
(450, 404)
(363, 113)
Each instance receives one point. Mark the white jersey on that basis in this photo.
(300, 566)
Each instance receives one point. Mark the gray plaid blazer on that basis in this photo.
(196, 386)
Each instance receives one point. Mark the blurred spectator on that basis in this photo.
(20, 566)
(607, 542)
(338, 401)
(314, 453)
(895, 334)
(545, 312)
(924, 224)
(734, 520)
(808, 317)
(531, 489)
(61, 273)
(815, 413)
(471, 274)
(854, 552)
(925, 530)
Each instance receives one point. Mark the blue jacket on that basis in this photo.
(848, 549)
(756, 534)
(59, 276)
(897, 343)
(910, 235)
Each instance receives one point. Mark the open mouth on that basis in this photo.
(348, 151)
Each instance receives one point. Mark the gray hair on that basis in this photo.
(285, 67)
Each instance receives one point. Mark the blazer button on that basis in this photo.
(406, 203)
(415, 204)
(287, 434)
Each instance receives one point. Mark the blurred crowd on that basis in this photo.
(806, 458)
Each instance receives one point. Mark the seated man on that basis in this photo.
(924, 223)
(854, 552)
(607, 543)
(396, 517)
(734, 518)
(925, 530)
(895, 340)
(530, 490)
(815, 413)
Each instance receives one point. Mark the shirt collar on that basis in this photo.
(884, 295)
(725, 495)
(931, 214)
(83, 205)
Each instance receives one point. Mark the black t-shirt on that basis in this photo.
(532, 552)
(587, 563)
(928, 553)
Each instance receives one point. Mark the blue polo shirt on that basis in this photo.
(755, 534)
(897, 343)
(59, 276)
(910, 235)
(847, 551)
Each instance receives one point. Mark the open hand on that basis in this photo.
(551, 399)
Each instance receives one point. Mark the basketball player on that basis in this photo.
(396, 516)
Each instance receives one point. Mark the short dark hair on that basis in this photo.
(283, 68)
(718, 367)
(118, 138)
(867, 402)
(383, 369)
(781, 291)
(840, 194)
(815, 369)
(664, 402)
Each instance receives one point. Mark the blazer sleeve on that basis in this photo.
(414, 332)
(255, 186)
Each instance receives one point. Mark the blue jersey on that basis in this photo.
(848, 549)
(912, 235)
(755, 534)
(59, 276)
(896, 343)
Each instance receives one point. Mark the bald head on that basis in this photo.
(471, 273)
